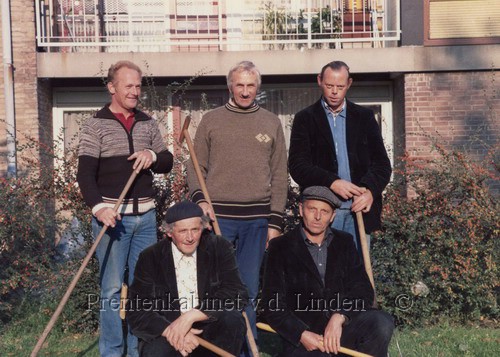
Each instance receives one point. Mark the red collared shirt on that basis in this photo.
(126, 121)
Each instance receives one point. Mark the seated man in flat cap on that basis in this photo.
(316, 293)
(187, 286)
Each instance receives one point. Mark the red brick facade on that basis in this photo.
(459, 109)
(25, 76)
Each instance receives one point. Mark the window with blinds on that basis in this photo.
(462, 21)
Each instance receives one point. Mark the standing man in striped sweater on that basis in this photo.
(242, 155)
(116, 141)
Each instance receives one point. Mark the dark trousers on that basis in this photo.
(369, 332)
(227, 332)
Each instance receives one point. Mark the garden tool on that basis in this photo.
(347, 351)
(185, 135)
(79, 273)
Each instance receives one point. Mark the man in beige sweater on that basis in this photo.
(241, 150)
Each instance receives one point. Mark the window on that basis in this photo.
(449, 22)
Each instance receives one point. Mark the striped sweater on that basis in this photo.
(242, 156)
(103, 168)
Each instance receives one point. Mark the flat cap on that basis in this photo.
(183, 210)
(321, 193)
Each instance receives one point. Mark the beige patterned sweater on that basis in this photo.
(242, 156)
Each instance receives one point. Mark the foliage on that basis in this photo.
(25, 248)
(277, 24)
(291, 216)
(438, 253)
(325, 19)
(81, 313)
(325, 24)
(37, 209)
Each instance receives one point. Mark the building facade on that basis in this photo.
(427, 66)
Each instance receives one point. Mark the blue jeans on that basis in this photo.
(345, 220)
(249, 238)
(120, 247)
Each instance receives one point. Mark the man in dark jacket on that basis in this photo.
(338, 144)
(113, 143)
(186, 286)
(316, 293)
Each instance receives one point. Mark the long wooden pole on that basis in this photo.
(199, 175)
(203, 186)
(211, 347)
(86, 260)
(364, 248)
(347, 351)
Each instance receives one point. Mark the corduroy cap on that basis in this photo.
(321, 193)
(183, 210)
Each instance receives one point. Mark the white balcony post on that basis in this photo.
(309, 20)
(96, 22)
(39, 14)
(221, 29)
(130, 29)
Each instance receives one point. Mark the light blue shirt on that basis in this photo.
(337, 124)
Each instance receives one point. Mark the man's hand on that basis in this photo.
(346, 189)
(207, 210)
(333, 332)
(190, 342)
(107, 216)
(143, 160)
(312, 341)
(362, 202)
(176, 332)
(271, 234)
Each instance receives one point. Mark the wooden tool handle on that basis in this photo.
(79, 273)
(347, 351)
(364, 248)
(211, 347)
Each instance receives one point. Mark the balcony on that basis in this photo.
(203, 26)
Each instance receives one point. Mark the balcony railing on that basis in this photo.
(202, 25)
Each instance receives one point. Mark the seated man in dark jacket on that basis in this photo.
(316, 293)
(186, 286)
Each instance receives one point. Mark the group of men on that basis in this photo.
(315, 292)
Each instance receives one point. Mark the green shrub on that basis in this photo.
(438, 253)
(37, 208)
(26, 247)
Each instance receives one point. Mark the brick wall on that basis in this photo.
(460, 109)
(45, 121)
(25, 76)
(398, 115)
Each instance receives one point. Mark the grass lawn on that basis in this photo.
(19, 338)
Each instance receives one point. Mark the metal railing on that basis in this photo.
(202, 25)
